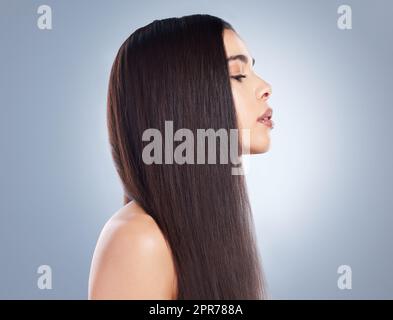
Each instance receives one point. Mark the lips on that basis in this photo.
(266, 118)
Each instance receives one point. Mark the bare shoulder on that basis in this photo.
(132, 259)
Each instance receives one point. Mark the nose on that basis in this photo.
(264, 91)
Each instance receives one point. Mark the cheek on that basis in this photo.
(245, 117)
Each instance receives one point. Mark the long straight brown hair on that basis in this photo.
(176, 70)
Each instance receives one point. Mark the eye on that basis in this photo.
(239, 77)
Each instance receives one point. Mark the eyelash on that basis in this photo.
(238, 77)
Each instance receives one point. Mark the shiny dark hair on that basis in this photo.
(176, 69)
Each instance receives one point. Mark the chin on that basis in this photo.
(260, 145)
(259, 149)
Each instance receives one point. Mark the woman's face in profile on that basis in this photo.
(250, 93)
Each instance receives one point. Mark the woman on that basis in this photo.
(186, 230)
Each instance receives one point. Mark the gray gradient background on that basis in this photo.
(321, 197)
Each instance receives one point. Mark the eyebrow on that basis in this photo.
(241, 57)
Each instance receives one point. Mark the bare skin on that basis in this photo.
(250, 93)
(132, 259)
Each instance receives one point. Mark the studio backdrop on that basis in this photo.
(322, 197)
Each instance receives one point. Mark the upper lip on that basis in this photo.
(267, 114)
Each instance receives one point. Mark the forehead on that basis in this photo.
(233, 44)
